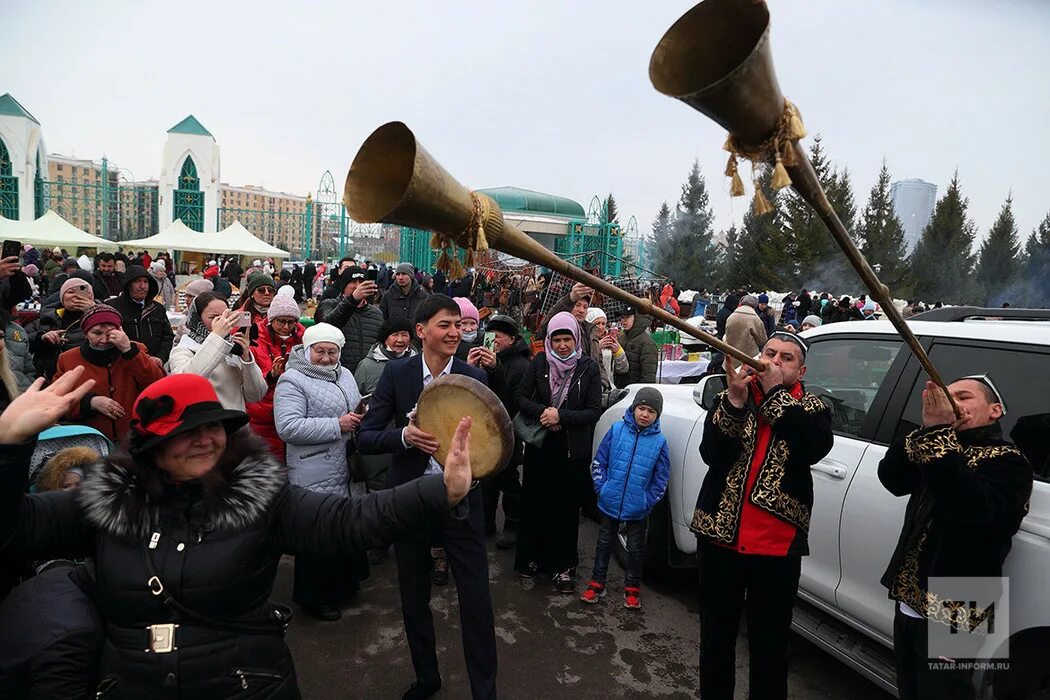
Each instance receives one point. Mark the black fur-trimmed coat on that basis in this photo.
(219, 544)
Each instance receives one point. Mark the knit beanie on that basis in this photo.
(405, 268)
(283, 306)
(594, 313)
(812, 320)
(286, 291)
(74, 282)
(467, 309)
(763, 298)
(869, 305)
(158, 266)
(198, 287)
(651, 397)
(31, 270)
(100, 313)
(394, 325)
(323, 333)
(259, 279)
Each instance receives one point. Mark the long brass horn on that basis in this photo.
(716, 58)
(394, 180)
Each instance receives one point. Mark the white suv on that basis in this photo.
(872, 383)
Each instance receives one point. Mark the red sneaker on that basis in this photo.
(594, 591)
(632, 597)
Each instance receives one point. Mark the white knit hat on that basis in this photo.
(594, 313)
(286, 291)
(323, 333)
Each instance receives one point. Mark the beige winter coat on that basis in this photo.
(235, 381)
(745, 330)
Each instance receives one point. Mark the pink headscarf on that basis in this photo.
(561, 370)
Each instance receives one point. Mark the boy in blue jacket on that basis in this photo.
(630, 473)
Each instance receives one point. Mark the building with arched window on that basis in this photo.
(189, 184)
(23, 157)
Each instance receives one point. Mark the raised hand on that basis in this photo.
(737, 381)
(224, 322)
(579, 291)
(119, 339)
(38, 409)
(457, 464)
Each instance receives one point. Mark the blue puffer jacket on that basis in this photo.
(631, 469)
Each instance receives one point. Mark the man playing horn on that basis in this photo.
(752, 515)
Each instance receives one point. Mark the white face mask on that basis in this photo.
(469, 337)
(285, 337)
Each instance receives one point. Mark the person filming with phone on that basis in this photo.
(353, 313)
(217, 347)
(59, 330)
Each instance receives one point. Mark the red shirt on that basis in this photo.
(761, 532)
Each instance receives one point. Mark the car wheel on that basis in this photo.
(656, 565)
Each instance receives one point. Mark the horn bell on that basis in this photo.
(716, 58)
(394, 180)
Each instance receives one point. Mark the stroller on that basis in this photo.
(55, 439)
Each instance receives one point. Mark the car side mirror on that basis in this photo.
(707, 390)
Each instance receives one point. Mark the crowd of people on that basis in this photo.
(253, 430)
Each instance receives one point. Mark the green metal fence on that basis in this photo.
(8, 185)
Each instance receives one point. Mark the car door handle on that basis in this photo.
(831, 470)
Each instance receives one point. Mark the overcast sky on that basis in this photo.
(547, 94)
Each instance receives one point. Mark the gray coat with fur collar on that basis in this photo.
(218, 542)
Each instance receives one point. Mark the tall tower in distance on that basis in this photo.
(913, 202)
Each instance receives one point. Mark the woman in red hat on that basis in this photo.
(121, 369)
(186, 529)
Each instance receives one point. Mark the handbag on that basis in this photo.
(529, 432)
(532, 433)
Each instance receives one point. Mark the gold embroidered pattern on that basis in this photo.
(724, 420)
(812, 403)
(924, 446)
(774, 405)
(722, 526)
(768, 494)
(906, 586)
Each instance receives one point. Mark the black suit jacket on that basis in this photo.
(394, 397)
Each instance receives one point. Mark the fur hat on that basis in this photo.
(504, 324)
(283, 306)
(394, 325)
(651, 397)
(323, 333)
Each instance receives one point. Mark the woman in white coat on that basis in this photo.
(315, 412)
(212, 349)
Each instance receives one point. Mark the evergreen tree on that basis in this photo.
(612, 213)
(733, 275)
(942, 260)
(689, 255)
(814, 260)
(1037, 266)
(661, 247)
(998, 263)
(759, 260)
(883, 237)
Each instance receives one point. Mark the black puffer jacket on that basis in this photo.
(217, 544)
(397, 304)
(45, 354)
(578, 413)
(147, 322)
(360, 326)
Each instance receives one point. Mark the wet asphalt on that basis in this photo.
(550, 645)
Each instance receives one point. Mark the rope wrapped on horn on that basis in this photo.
(778, 148)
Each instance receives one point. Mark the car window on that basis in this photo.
(846, 373)
(1018, 373)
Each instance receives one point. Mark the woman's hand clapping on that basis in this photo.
(38, 409)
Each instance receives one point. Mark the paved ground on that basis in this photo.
(550, 645)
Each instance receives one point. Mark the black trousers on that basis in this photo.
(464, 542)
(915, 679)
(762, 587)
(507, 483)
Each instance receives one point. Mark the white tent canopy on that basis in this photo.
(233, 239)
(52, 230)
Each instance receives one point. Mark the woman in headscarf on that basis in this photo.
(216, 348)
(276, 340)
(120, 367)
(562, 390)
(59, 329)
(186, 529)
(316, 411)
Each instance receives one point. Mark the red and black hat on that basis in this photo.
(176, 404)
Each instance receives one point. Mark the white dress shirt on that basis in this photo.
(432, 467)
